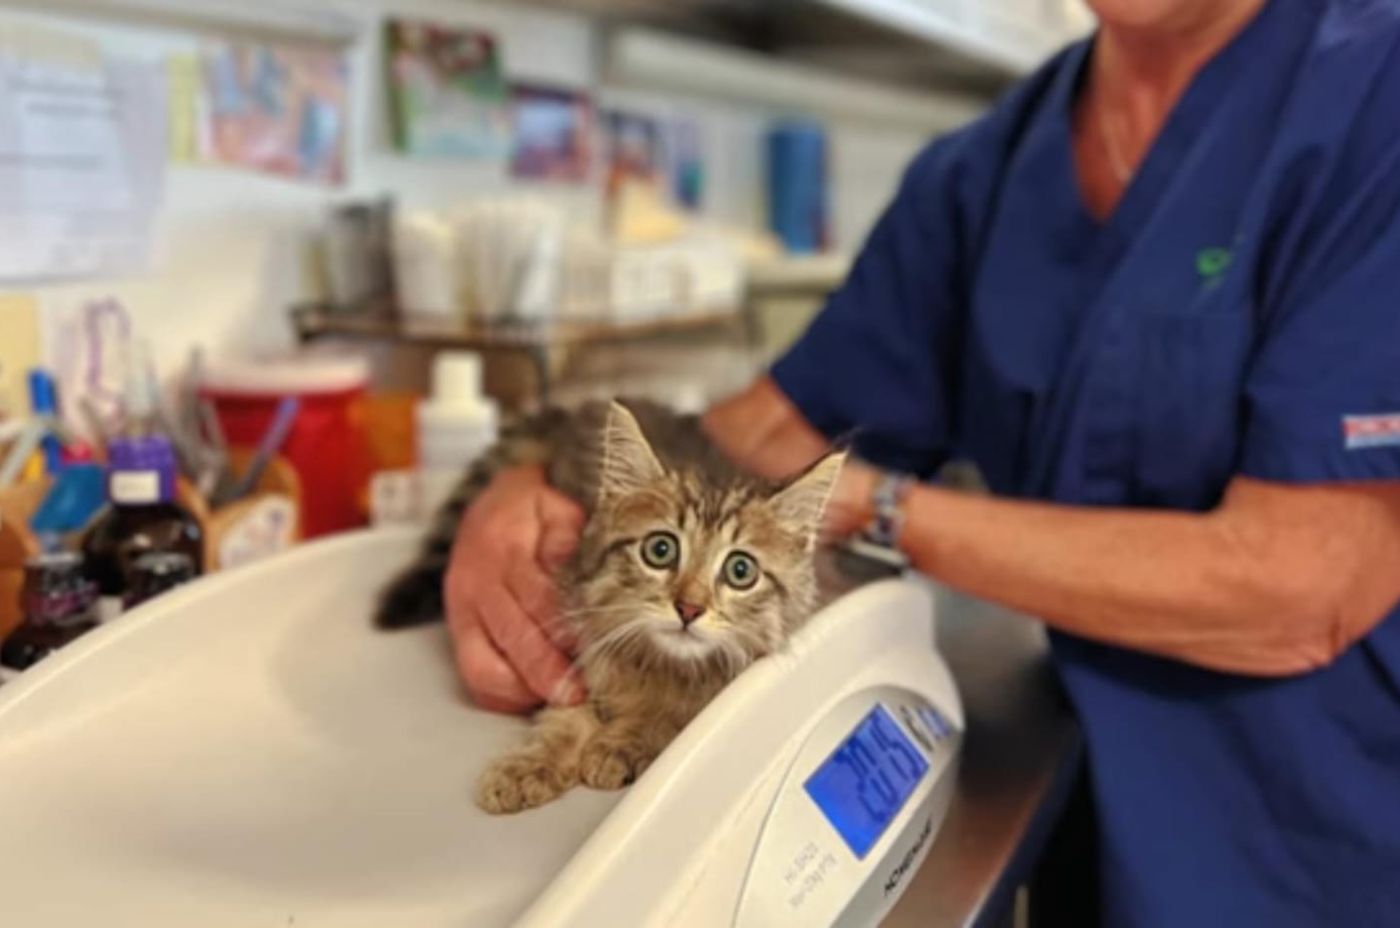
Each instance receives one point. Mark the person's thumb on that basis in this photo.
(561, 524)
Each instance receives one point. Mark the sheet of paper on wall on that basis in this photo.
(82, 157)
(280, 109)
(184, 93)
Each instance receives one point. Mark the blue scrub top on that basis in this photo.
(1239, 313)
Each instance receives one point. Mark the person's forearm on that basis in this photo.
(760, 430)
(1182, 585)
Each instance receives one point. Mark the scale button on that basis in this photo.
(936, 722)
(919, 730)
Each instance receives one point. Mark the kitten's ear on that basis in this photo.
(802, 503)
(629, 464)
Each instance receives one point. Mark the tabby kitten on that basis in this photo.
(688, 570)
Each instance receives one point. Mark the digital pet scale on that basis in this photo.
(247, 751)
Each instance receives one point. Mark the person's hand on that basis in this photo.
(511, 645)
(852, 503)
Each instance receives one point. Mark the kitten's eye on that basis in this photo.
(740, 570)
(661, 550)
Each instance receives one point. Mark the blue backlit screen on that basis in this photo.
(862, 786)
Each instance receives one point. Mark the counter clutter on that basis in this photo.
(109, 497)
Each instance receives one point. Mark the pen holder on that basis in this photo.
(266, 521)
(18, 544)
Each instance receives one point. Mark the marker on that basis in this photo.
(43, 400)
(15, 460)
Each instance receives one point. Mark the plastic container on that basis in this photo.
(326, 445)
(359, 255)
(456, 425)
(426, 266)
(797, 186)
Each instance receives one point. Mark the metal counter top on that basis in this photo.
(1020, 756)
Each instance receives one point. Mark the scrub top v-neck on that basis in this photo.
(1238, 313)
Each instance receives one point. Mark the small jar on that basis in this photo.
(59, 604)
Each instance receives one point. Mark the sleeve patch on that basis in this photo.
(1373, 431)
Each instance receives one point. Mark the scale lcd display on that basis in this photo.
(862, 786)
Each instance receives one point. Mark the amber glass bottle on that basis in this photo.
(141, 517)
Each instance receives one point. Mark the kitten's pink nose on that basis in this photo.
(689, 612)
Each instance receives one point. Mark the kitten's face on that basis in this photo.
(677, 572)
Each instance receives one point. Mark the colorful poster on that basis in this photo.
(553, 133)
(447, 95)
(279, 109)
(632, 146)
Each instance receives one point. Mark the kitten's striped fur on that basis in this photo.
(639, 470)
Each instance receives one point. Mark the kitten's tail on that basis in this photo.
(414, 597)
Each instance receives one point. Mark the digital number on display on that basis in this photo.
(862, 786)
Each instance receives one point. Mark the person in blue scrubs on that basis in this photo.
(1154, 295)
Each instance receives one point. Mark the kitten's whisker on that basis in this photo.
(603, 642)
(610, 642)
(599, 610)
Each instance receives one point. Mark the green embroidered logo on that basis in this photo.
(1212, 263)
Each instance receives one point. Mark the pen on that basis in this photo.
(43, 399)
(272, 440)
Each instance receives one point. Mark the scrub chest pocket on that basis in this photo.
(1188, 374)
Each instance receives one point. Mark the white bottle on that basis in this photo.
(456, 425)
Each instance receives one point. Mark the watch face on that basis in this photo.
(889, 518)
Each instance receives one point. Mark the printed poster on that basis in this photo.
(553, 133)
(280, 109)
(447, 94)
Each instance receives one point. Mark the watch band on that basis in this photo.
(888, 503)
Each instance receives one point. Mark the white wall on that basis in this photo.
(232, 247)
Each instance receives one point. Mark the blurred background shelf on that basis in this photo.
(316, 320)
(295, 20)
(540, 343)
(781, 296)
(804, 275)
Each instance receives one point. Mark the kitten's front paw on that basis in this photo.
(612, 762)
(513, 784)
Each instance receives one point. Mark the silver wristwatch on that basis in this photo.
(888, 502)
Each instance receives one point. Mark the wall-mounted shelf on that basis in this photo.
(538, 343)
(259, 18)
(646, 58)
(1013, 34)
(804, 275)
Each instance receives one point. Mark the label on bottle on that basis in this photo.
(108, 608)
(135, 487)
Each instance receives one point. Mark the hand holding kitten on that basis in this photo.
(511, 649)
(852, 504)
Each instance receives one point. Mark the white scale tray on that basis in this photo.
(247, 752)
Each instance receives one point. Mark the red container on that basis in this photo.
(326, 445)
